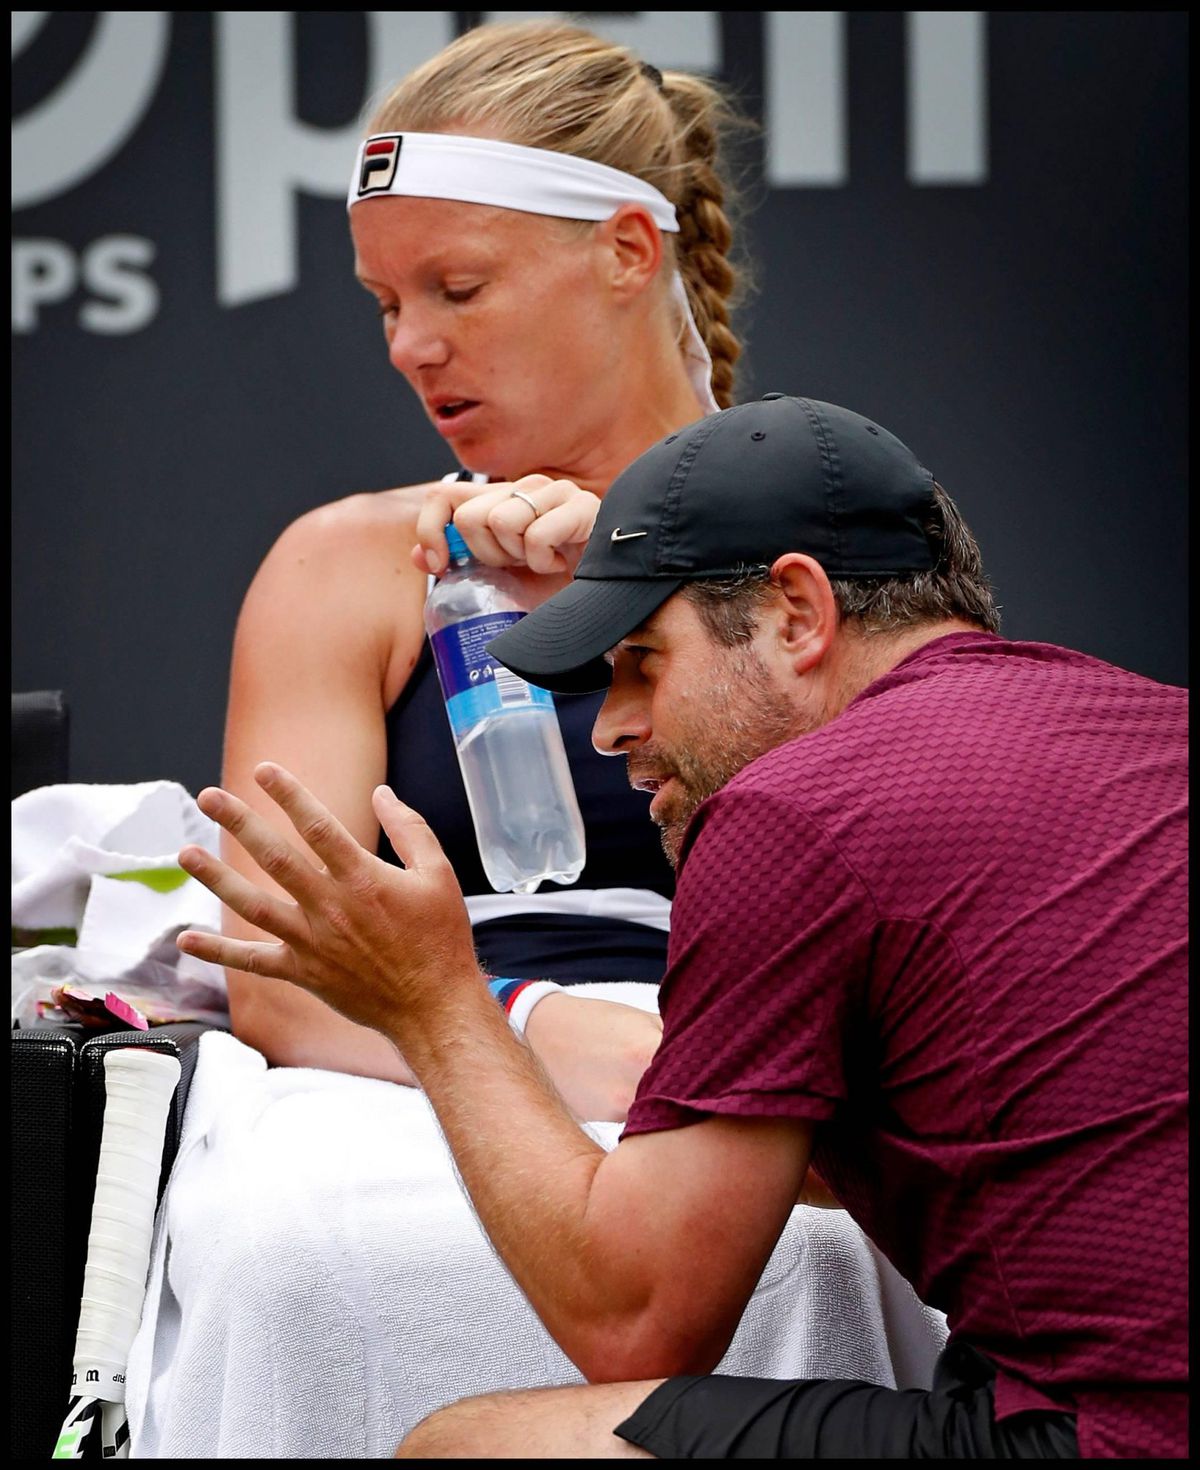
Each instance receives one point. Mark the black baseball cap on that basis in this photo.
(728, 493)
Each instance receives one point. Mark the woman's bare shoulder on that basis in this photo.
(367, 512)
(338, 589)
(347, 561)
(367, 529)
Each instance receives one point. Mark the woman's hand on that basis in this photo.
(594, 1051)
(376, 942)
(546, 533)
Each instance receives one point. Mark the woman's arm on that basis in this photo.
(593, 1050)
(328, 634)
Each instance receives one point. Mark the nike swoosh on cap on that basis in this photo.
(619, 535)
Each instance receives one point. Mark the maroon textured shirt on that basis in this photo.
(950, 928)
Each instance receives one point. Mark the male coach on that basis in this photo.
(930, 931)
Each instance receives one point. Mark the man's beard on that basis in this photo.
(743, 716)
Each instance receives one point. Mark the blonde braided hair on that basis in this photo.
(552, 85)
(705, 230)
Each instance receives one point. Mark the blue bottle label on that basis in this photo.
(473, 684)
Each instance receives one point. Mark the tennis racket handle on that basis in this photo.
(139, 1084)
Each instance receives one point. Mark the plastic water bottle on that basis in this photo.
(510, 748)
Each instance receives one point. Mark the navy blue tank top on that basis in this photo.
(623, 850)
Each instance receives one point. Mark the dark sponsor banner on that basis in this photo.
(969, 225)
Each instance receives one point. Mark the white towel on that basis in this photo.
(101, 860)
(319, 1282)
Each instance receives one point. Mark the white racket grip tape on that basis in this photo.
(139, 1084)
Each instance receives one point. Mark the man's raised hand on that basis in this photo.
(374, 941)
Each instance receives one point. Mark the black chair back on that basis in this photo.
(40, 730)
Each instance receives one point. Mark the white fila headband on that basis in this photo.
(533, 180)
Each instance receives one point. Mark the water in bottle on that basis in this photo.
(510, 748)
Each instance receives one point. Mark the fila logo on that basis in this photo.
(380, 157)
(619, 535)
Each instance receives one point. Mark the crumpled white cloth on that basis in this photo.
(102, 860)
(319, 1282)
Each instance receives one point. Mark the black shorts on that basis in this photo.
(717, 1418)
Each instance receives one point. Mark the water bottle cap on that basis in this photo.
(459, 550)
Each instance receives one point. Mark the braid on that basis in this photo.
(705, 230)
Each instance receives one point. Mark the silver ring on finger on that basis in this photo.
(520, 495)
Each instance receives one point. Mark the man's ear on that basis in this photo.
(807, 610)
(633, 249)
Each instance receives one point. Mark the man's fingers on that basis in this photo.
(319, 828)
(271, 851)
(411, 836)
(263, 910)
(272, 960)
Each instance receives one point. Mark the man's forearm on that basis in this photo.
(529, 1169)
(391, 948)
